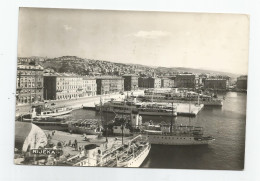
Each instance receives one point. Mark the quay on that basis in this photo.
(73, 103)
(88, 103)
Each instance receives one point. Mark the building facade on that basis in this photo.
(29, 84)
(166, 83)
(242, 82)
(130, 82)
(107, 85)
(216, 84)
(89, 87)
(150, 82)
(62, 87)
(185, 81)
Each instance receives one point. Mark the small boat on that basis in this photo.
(38, 112)
(87, 126)
(52, 123)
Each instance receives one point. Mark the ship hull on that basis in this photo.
(206, 103)
(54, 114)
(52, 125)
(176, 140)
(138, 160)
(82, 130)
(148, 113)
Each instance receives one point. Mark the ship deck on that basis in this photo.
(64, 138)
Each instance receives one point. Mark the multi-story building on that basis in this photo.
(216, 84)
(57, 87)
(150, 82)
(89, 86)
(107, 85)
(185, 81)
(172, 81)
(130, 82)
(29, 84)
(166, 83)
(242, 82)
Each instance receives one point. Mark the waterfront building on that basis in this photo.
(217, 84)
(29, 84)
(166, 83)
(89, 86)
(242, 82)
(57, 87)
(107, 85)
(130, 82)
(185, 81)
(150, 82)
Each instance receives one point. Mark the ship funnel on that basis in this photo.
(135, 118)
(91, 152)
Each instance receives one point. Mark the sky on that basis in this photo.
(193, 40)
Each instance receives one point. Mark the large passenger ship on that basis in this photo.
(144, 108)
(177, 135)
(176, 96)
(163, 134)
(131, 154)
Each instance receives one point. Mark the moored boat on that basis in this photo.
(59, 123)
(40, 112)
(87, 126)
(175, 96)
(181, 135)
(144, 108)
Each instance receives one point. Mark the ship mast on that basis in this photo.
(171, 120)
(189, 110)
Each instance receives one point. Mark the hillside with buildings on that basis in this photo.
(82, 66)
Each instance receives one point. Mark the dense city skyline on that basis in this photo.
(216, 41)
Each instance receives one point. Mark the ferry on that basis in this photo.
(144, 108)
(87, 126)
(176, 96)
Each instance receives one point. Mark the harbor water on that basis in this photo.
(226, 124)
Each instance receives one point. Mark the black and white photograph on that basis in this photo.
(120, 88)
